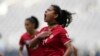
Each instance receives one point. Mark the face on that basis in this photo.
(49, 15)
(29, 25)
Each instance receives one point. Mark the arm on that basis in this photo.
(68, 50)
(66, 41)
(71, 49)
(37, 39)
(20, 52)
(75, 51)
(34, 42)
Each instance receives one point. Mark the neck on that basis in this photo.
(31, 32)
(51, 24)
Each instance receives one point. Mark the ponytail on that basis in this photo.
(64, 17)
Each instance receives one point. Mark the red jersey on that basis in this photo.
(25, 37)
(53, 45)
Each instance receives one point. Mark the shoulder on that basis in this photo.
(24, 34)
(44, 28)
(61, 29)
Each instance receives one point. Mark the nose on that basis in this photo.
(45, 13)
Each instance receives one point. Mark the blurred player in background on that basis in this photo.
(31, 24)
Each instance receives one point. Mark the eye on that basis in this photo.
(49, 10)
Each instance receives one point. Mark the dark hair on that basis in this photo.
(34, 20)
(64, 17)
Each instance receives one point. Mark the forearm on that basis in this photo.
(36, 40)
(68, 52)
(20, 53)
(75, 51)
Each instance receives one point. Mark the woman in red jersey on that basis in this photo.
(53, 38)
(31, 24)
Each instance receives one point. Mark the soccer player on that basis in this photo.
(56, 42)
(31, 24)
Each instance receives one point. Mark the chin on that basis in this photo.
(45, 20)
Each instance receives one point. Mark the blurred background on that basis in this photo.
(84, 29)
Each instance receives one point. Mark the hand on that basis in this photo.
(44, 34)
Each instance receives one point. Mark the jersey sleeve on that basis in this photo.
(64, 37)
(44, 29)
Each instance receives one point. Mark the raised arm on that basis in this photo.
(37, 39)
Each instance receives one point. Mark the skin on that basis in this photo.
(50, 16)
(75, 51)
(30, 29)
(70, 48)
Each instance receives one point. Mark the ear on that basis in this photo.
(56, 16)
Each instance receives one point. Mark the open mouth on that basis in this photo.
(45, 16)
